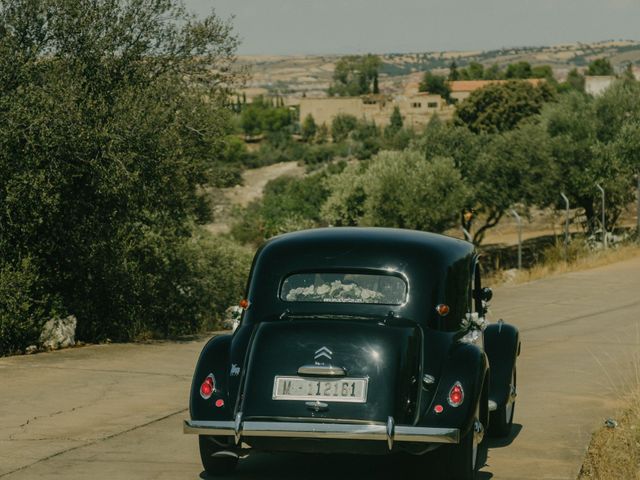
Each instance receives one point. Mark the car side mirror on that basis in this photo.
(486, 294)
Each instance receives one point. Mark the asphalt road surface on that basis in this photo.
(115, 411)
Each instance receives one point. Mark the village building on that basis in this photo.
(596, 85)
(461, 89)
(416, 109)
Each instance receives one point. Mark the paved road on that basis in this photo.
(115, 411)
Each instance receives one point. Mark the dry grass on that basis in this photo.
(614, 453)
(584, 260)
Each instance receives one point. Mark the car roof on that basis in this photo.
(387, 243)
(437, 268)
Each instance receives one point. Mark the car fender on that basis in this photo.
(214, 358)
(502, 345)
(468, 365)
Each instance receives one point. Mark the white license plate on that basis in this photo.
(353, 390)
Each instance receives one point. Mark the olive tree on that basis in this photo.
(111, 121)
(397, 189)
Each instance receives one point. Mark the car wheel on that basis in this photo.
(463, 458)
(502, 419)
(215, 466)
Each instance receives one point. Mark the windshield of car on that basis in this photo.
(344, 287)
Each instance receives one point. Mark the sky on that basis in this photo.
(286, 27)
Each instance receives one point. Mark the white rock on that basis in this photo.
(59, 333)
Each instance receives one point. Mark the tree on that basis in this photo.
(493, 73)
(542, 71)
(519, 70)
(475, 71)
(124, 103)
(355, 75)
(309, 128)
(584, 153)
(429, 198)
(501, 106)
(342, 125)
(395, 121)
(575, 81)
(435, 84)
(443, 139)
(600, 66)
(514, 168)
(322, 136)
(454, 74)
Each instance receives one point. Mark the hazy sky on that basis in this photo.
(358, 26)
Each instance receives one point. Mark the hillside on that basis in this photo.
(311, 75)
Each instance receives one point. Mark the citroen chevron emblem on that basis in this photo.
(323, 352)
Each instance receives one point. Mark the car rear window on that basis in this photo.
(344, 288)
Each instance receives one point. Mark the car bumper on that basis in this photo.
(332, 431)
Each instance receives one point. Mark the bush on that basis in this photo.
(288, 204)
(24, 306)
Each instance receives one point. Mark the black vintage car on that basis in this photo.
(358, 340)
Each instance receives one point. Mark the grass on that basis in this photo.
(580, 258)
(614, 453)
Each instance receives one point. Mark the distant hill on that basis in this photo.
(311, 75)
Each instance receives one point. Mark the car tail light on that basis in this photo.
(456, 395)
(208, 387)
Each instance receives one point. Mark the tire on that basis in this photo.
(502, 419)
(463, 459)
(215, 466)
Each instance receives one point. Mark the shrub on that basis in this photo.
(24, 306)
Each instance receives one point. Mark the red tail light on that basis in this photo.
(208, 386)
(456, 395)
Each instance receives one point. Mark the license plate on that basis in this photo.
(353, 390)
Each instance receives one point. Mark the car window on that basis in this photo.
(344, 287)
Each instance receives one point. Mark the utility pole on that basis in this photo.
(604, 229)
(519, 220)
(566, 227)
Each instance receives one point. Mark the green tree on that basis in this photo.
(454, 73)
(475, 71)
(575, 81)
(542, 71)
(309, 128)
(124, 103)
(514, 168)
(586, 154)
(395, 121)
(519, 70)
(493, 73)
(398, 189)
(376, 86)
(501, 106)
(288, 204)
(600, 66)
(342, 125)
(355, 75)
(444, 139)
(435, 84)
(322, 136)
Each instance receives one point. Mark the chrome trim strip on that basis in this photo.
(336, 431)
(427, 434)
(322, 371)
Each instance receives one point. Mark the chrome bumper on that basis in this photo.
(339, 431)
